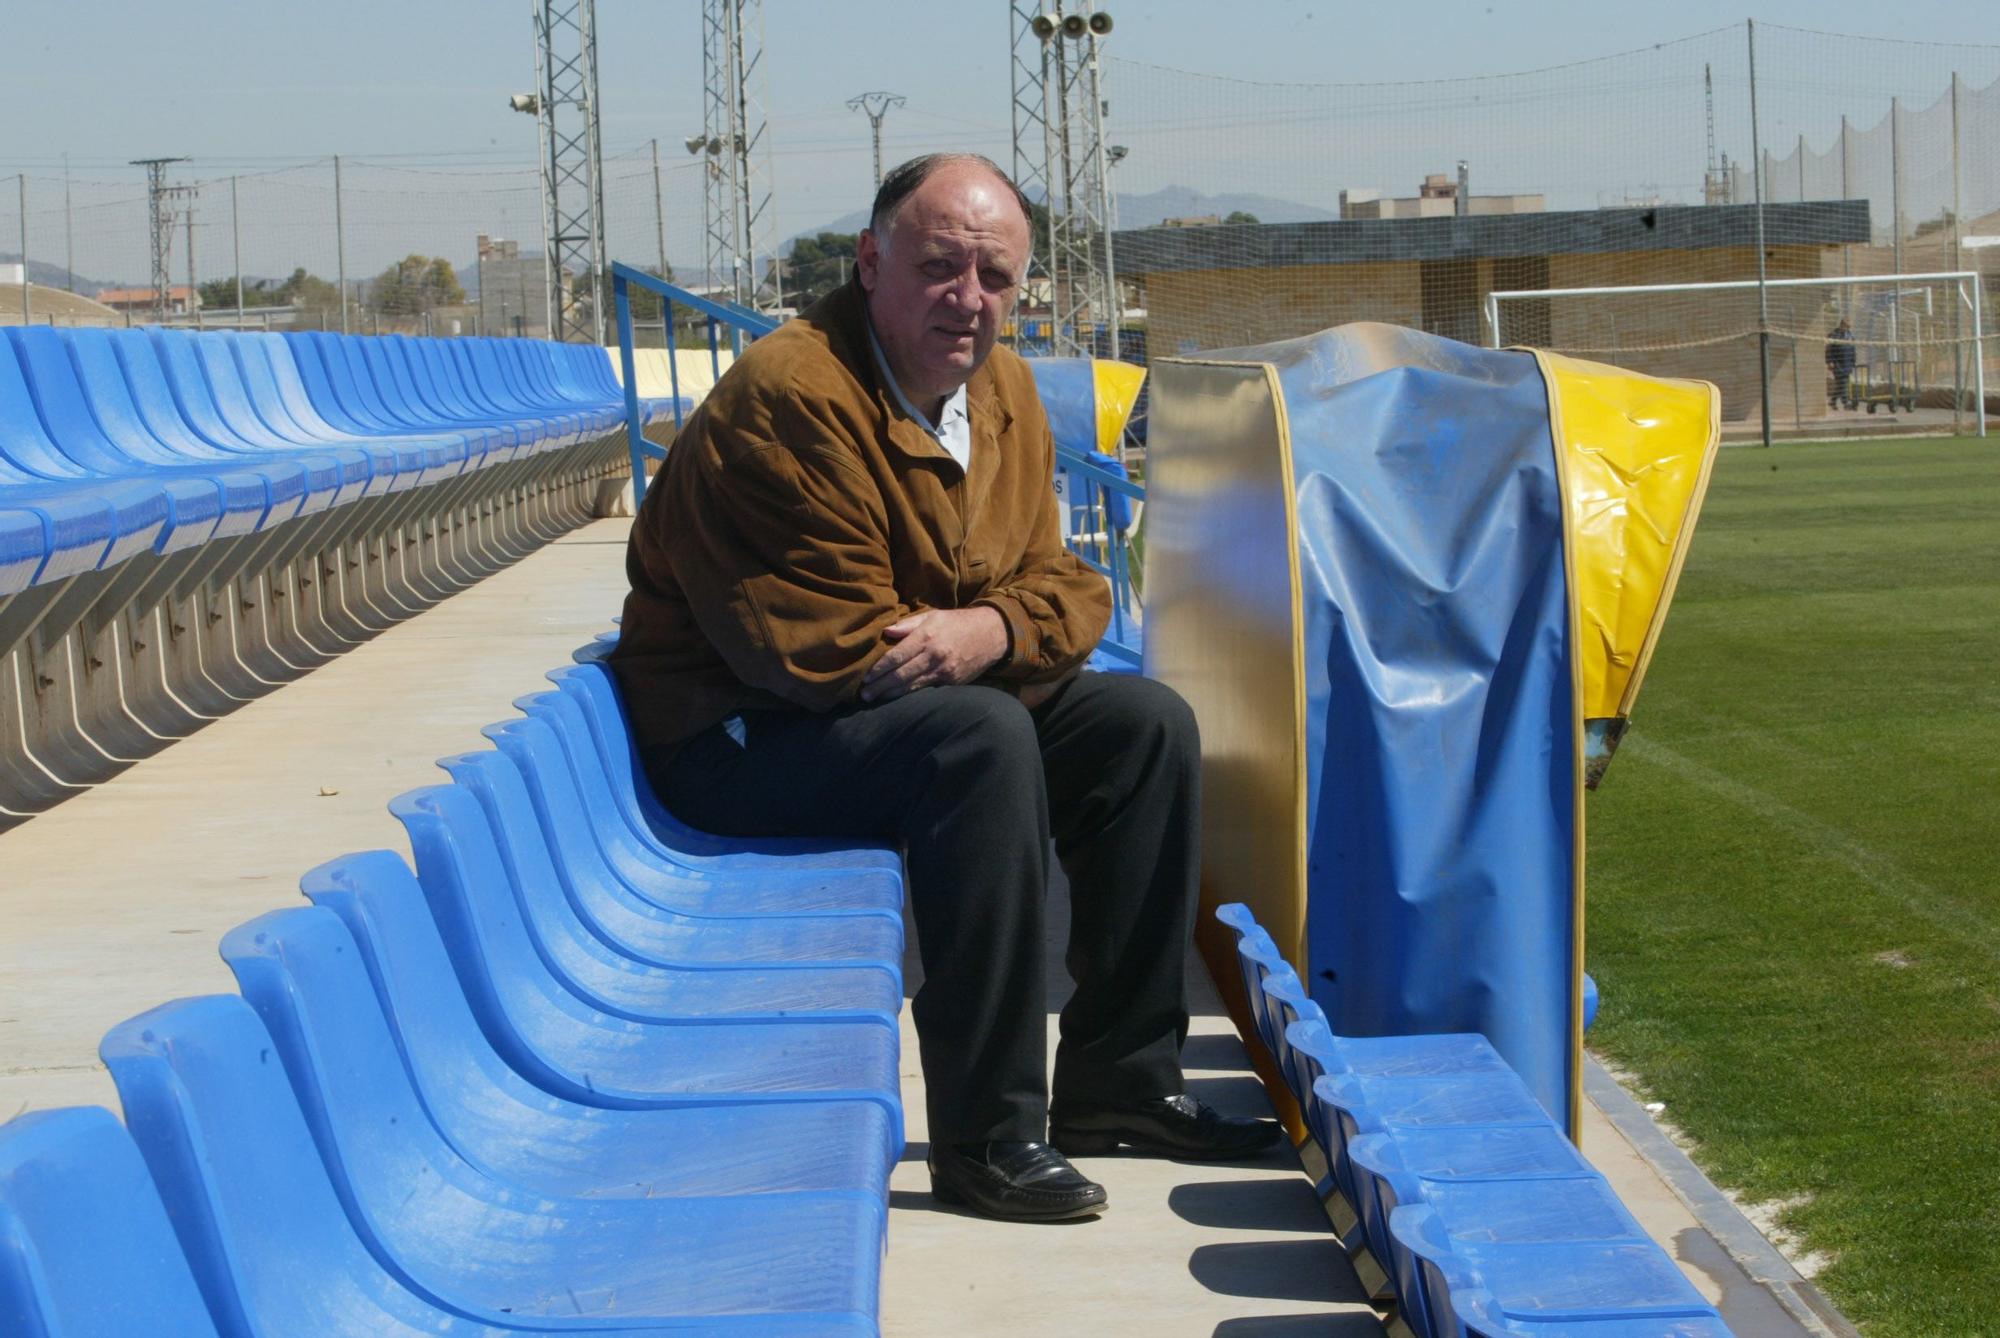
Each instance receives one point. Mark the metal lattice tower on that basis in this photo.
(737, 216)
(875, 106)
(572, 167)
(1059, 146)
(160, 205)
(1031, 158)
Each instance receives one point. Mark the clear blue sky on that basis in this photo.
(240, 86)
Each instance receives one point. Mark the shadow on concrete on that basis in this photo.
(1353, 1324)
(1281, 1203)
(1215, 1054)
(1284, 1270)
(1235, 1095)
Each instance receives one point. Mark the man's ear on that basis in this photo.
(867, 259)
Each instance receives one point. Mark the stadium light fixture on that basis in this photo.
(528, 104)
(1077, 26)
(1043, 26)
(1115, 153)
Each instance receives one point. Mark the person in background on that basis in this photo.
(1839, 362)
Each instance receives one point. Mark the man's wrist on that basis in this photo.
(1006, 655)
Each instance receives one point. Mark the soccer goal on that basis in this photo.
(1840, 345)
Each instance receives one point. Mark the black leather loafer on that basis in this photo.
(1020, 1182)
(1163, 1126)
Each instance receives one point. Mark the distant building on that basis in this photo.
(1227, 287)
(1193, 221)
(181, 300)
(1436, 198)
(513, 296)
(13, 272)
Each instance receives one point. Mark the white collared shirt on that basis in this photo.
(953, 430)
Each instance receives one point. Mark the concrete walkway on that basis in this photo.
(114, 901)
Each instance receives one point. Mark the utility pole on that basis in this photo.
(69, 227)
(875, 106)
(27, 302)
(659, 212)
(159, 204)
(340, 242)
(193, 292)
(236, 249)
(1763, 292)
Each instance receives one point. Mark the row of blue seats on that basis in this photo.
(585, 1070)
(1481, 1214)
(115, 442)
(187, 520)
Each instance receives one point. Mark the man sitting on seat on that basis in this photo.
(852, 614)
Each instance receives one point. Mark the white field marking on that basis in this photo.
(1969, 929)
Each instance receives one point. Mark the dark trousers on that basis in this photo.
(974, 784)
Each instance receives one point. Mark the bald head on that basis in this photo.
(906, 178)
(942, 263)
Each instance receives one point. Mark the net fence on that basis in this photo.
(355, 244)
(1255, 211)
(1248, 211)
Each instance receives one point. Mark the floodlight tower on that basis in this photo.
(564, 106)
(1059, 98)
(876, 106)
(738, 217)
(160, 205)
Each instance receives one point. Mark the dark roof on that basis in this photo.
(1563, 232)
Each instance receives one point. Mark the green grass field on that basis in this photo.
(1794, 884)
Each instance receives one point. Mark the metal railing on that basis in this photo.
(1103, 545)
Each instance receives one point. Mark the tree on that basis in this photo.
(316, 300)
(220, 294)
(819, 265)
(645, 302)
(1239, 216)
(414, 285)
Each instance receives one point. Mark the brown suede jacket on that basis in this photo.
(800, 512)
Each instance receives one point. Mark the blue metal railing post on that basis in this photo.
(673, 360)
(635, 437)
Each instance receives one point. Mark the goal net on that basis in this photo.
(1841, 348)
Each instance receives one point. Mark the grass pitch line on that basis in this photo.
(1919, 898)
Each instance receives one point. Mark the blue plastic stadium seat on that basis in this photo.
(203, 494)
(551, 1037)
(304, 974)
(1567, 1207)
(1542, 1285)
(86, 1250)
(252, 490)
(610, 948)
(88, 520)
(592, 688)
(393, 463)
(177, 365)
(291, 478)
(211, 1107)
(460, 863)
(579, 817)
(1257, 956)
(1480, 1317)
